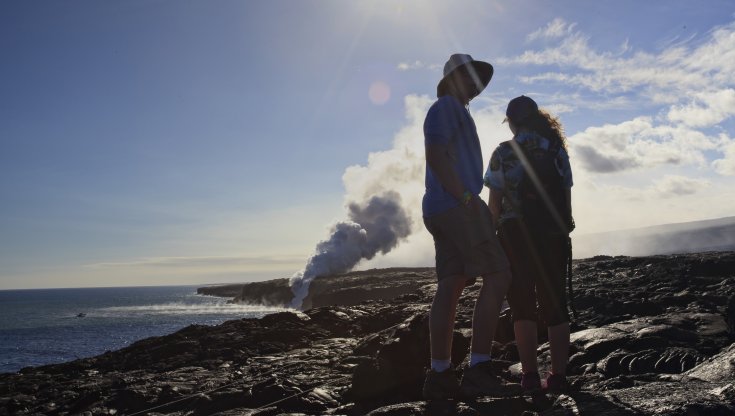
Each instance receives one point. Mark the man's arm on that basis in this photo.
(437, 157)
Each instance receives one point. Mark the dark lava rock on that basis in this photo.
(654, 337)
(347, 289)
(730, 316)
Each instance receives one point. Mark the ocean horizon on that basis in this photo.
(49, 326)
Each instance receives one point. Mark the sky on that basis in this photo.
(170, 142)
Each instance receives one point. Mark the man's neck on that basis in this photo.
(462, 99)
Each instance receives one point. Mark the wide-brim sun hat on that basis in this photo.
(481, 71)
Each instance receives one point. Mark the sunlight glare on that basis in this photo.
(379, 92)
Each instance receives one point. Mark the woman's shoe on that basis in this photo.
(531, 381)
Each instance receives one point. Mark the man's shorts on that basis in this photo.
(466, 244)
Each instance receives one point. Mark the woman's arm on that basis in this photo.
(496, 204)
(570, 220)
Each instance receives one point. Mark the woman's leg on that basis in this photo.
(521, 296)
(527, 342)
(559, 340)
(553, 303)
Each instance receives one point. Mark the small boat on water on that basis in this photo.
(81, 315)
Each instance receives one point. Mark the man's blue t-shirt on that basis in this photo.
(449, 123)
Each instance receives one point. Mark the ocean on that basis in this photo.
(46, 326)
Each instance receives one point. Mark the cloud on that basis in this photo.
(665, 77)
(251, 262)
(555, 29)
(557, 109)
(639, 144)
(415, 65)
(667, 187)
(673, 185)
(726, 165)
(683, 93)
(706, 109)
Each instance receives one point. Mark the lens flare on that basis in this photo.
(379, 93)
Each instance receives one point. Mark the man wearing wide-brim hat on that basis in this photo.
(464, 236)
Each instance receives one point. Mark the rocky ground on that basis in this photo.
(655, 336)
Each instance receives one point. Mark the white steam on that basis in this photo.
(375, 225)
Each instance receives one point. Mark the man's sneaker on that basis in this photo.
(556, 383)
(480, 380)
(441, 386)
(531, 381)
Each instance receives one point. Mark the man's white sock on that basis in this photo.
(440, 365)
(477, 358)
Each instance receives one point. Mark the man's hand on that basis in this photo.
(476, 207)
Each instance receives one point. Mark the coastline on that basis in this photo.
(645, 325)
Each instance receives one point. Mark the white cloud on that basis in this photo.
(410, 66)
(682, 94)
(650, 198)
(560, 108)
(706, 109)
(191, 269)
(638, 144)
(726, 165)
(666, 76)
(673, 185)
(691, 80)
(555, 29)
(208, 262)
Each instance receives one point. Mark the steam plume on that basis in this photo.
(375, 225)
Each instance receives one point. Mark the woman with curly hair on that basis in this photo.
(530, 181)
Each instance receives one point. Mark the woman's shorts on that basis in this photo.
(537, 262)
(465, 243)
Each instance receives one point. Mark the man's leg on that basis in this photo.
(487, 310)
(441, 383)
(480, 379)
(442, 315)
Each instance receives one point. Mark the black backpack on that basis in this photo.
(541, 196)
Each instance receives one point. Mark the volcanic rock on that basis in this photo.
(342, 289)
(654, 337)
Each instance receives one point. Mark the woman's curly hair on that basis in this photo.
(545, 125)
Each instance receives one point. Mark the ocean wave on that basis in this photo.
(179, 308)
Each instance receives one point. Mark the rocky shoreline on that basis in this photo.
(655, 336)
(345, 289)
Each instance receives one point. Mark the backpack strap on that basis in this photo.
(569, 278)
